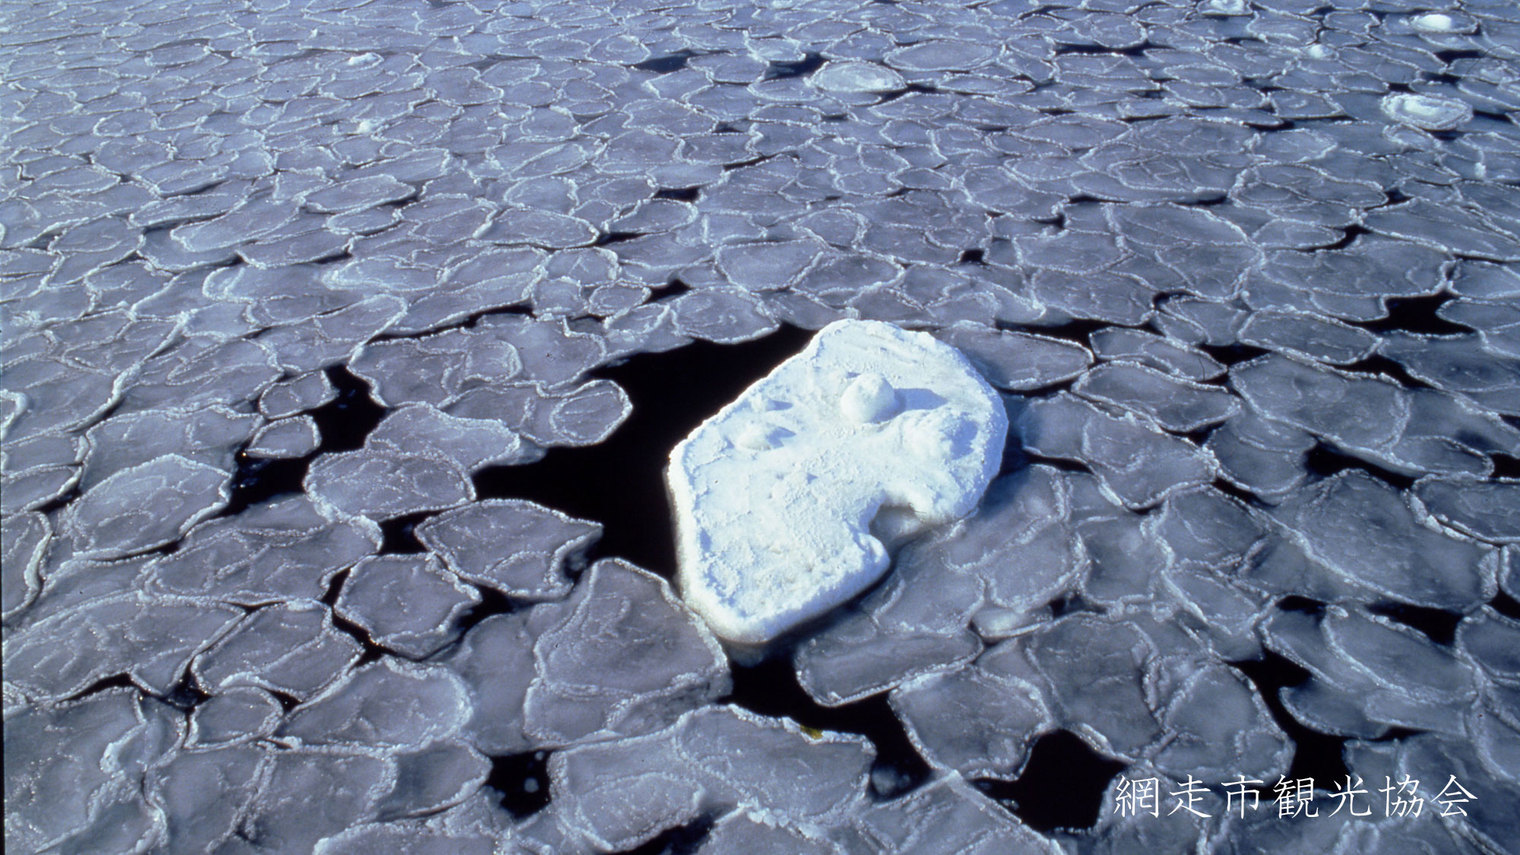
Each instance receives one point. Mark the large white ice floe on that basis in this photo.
(787, 500)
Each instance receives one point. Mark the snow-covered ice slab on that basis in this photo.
(787, 500)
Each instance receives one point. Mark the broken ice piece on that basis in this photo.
(787, 500)
(146, 506)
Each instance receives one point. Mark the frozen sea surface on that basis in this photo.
(342, 344)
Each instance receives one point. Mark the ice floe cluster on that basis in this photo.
(287, 285)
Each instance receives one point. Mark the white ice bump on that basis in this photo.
(1442, 22)
(1431, 112)
(856, 77)
(787, 500)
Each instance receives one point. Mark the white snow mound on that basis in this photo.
(787, 501)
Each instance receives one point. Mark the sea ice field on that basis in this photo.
(343, 346)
